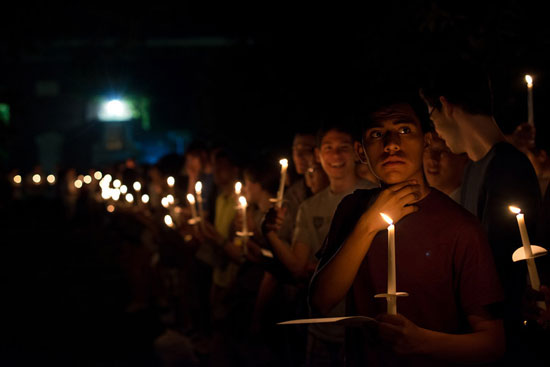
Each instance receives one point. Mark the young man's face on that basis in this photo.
(443, 169)
(337, 155)
(303, 149)
(446, 128)
(394, 144)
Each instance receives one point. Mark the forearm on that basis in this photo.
(481, 346)
(334, 280)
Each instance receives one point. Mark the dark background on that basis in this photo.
(245, 75)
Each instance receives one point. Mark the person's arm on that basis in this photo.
(486, 343)
(332, 282)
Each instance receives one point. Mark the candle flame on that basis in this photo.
(137, 186)
(170, 181)
(168, 220)
(123, 189)
(117, 183)
(87, 179)
(529, 80)
(284, 162)
(36, 178)
(238, 187)
(145, 198)
(170, 198)
(242, 200)
(191, 199)
(386, 218)
(164, 202)
(78, 184)
(110, 208)
(198, 187)
(17, 179)
(98, 175)
(514, 209)
(51, 179)
(129, 198)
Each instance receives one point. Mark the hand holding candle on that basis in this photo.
(528, 252)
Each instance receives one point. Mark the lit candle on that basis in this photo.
(528, 252)
(191, 200)
(137, 186)
(392, 304)
(198, 191)
(36, 179)
(238, 188)
(284, 166)
(144, 198)
(168, 221)
(51, 179)
(530, 114)
(245, 233)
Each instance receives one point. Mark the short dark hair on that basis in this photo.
(386, 99)
(265, 172)
(462, 83)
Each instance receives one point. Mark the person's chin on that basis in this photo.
(393, 177)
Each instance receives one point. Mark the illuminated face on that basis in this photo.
(337, 155)
(303, 149)
(442, 168)
(394, 144)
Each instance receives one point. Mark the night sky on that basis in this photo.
(244, 75)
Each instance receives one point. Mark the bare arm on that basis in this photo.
(332, 282)
(484, 344)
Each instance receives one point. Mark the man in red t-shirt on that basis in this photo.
(442, 256)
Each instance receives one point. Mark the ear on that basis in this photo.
(446, 107)
(360, 152)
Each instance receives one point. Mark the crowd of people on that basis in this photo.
(193, 270)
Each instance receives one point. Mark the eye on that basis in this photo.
(405, 130)
(376, 134)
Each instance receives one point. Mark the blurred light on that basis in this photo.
(117, 183)
(129, 198)
(145, 198)
(108, 178)
(168, 220)
(98, 175)
(170, 198)
(165, 203)
(137, 186)
(17, 179)
(110, 208)
(106, 193)
(170, 181)
(115, 110)
(51, 179)
(78, 184)
(238, 187)
(87, 179)
(198, 188)
(514, 209)
(36, 178)
(123, 189)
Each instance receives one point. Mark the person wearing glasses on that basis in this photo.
(459, 100)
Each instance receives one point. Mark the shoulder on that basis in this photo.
(448, 210)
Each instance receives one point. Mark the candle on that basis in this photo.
(137, 186)
(51, 179)
(238, 188)
(530, 114)
(198, 191)
(392, 304)
(245, 233)
(144, 198)
(531, 265)
(191, 200)
(168, 220)
(170, 181)
(284, 166)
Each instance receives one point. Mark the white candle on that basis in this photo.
(284, 166)
(238, 188)
(392, 304)
(530, 113)
(191, 200)
(531, 266)
(244, 204)
(198, 191)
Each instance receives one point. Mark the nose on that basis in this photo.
(392, 142)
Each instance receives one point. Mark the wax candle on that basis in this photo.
(392, 300)
(191, 200)
(198, 191)
(244, 204)
(284, 166)
(530, 113)
(531, 266)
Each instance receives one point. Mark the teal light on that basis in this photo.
(5, 113)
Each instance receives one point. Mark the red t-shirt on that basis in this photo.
(443, 260)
